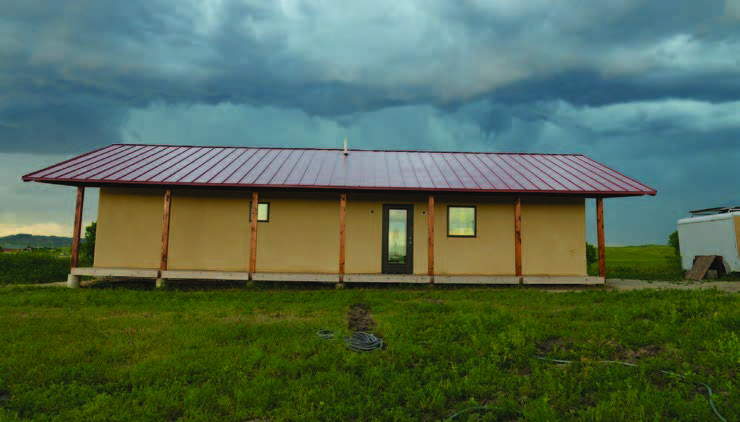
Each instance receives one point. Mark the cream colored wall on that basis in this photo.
(553, 236)
(364, 231)
(209, 230)
(302, 234)
(421, 233)
(129, 232)
(491, 252)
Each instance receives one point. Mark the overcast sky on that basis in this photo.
(649, 87)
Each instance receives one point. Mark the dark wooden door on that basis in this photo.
(398, 239)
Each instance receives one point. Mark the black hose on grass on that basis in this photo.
(326, 334)
(709, 389)
(358, 341)
(363, 342)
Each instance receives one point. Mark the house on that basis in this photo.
(333, 215)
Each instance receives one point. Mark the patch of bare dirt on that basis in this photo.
(648, 351)
(551, 344)
(631, 355)
(359, 318)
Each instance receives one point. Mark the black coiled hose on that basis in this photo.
(363, 342)
(358, 341)
(326, 334)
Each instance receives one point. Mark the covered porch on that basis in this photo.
(165, 271)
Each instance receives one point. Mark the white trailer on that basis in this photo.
(717, 234)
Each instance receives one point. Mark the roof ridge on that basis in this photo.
(349, 149)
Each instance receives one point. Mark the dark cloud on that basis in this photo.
(592, 89)
(648, 20)
(68, 126)
(330, 60)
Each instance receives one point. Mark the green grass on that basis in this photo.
(35, 267)
(252, 353)
(32, 268)
(647, 262)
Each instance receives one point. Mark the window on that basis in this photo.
(263, 211)
(461, 221)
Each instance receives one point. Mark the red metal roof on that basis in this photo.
(304, 168)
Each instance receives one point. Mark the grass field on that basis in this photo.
(252, 354)
(646, 262)
(35, 267)
(32, 268)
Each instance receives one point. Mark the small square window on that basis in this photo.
(263, 211)
(461, 221)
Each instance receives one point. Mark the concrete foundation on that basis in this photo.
(73, 281)
(161, 283)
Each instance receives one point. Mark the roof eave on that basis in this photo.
(99, 183)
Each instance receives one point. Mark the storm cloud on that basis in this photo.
(651, 87)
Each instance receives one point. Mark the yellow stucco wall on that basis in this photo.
(553, 236)
(421, 224)
(365, 231)
(302, 234)
(209, 230)
(491, 252)
(129, 232)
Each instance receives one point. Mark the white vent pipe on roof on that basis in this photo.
(345, 148)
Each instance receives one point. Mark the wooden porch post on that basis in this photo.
(600, 234)
(342, 234)
(164, 255)
(77, 226)
(430, 239)
(253, 235)
(165, 231)
(518, 238)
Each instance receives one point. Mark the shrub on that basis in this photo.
(87, 248)
(673, 241)
(591, 254)
(32, 268)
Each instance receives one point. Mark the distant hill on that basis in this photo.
(21, 240)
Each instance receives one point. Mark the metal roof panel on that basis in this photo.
(312, 168)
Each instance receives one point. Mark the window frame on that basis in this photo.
(258, 212)
(475, 221)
